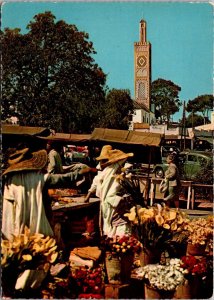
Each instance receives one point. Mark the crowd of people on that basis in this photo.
(29, 175)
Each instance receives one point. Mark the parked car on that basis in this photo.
(168, 149)
(193, 165)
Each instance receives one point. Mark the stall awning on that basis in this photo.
(68, 138)
(126, 137)
(206, 127)
(24, 130)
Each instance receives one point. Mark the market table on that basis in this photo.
(72, 219)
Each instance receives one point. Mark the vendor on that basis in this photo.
(108, 188)
(25, 180)
(102, 158)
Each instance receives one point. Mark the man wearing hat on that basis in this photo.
(24, 183)
(102, 158)
(107, 190)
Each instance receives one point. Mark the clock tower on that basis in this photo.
(142, 68)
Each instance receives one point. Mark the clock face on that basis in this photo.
(141, 61)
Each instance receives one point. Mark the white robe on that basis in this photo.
(23, 205)
(107, 189)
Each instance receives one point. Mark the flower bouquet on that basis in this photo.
(194, 266)
(119, 257)
(131, 186)
(195, 273)
(200, 235)
(89, 281)
(26, 260)
(161, 281)
(159, 227)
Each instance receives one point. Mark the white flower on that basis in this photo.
(164, 277)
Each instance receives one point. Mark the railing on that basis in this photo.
(188, 192)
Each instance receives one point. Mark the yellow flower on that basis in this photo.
(131, 215)
(174, 226)
(159, 219)
(172, 215)
(52, 257)
(166, 226)
(147, 214)
(50, 250)
(27, 257)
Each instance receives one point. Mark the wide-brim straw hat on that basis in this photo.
(117, 155)
(104, 154)
(24, 160)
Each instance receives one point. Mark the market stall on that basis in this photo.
(75, 222)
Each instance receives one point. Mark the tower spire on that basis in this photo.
(143, 31)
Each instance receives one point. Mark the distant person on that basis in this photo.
(171, 196)
(54, 158)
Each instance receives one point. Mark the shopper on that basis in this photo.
(171, 195)
(54, 158)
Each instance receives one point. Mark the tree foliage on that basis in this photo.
(194, 120)
(118, 109)
(50, 78)
(202, 104)
(165, 96)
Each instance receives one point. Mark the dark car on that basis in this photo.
(193, 165)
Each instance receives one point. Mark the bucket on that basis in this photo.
(151, 293)
(196, 249)
(113, 268)
(149, 257)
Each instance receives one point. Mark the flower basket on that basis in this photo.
(151, 293)
(126, 267)
(183, 291)
(188, 289)
(196, 249)
(118, 268)
(113, 268)
(149, 257)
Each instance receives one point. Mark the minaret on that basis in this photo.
(142, 68)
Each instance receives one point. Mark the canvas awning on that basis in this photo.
(206, 127)
(68, 138)
(126, 137)
(24, 130)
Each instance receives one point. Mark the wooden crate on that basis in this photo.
(117, 291)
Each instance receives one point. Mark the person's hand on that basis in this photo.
(85, 170)
(86, 200)
(87, 197)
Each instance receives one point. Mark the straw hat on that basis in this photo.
(24, 159)
(117, 155)
(104, 154)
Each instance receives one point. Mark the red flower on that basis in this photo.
(90, 296)
(194, 265)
